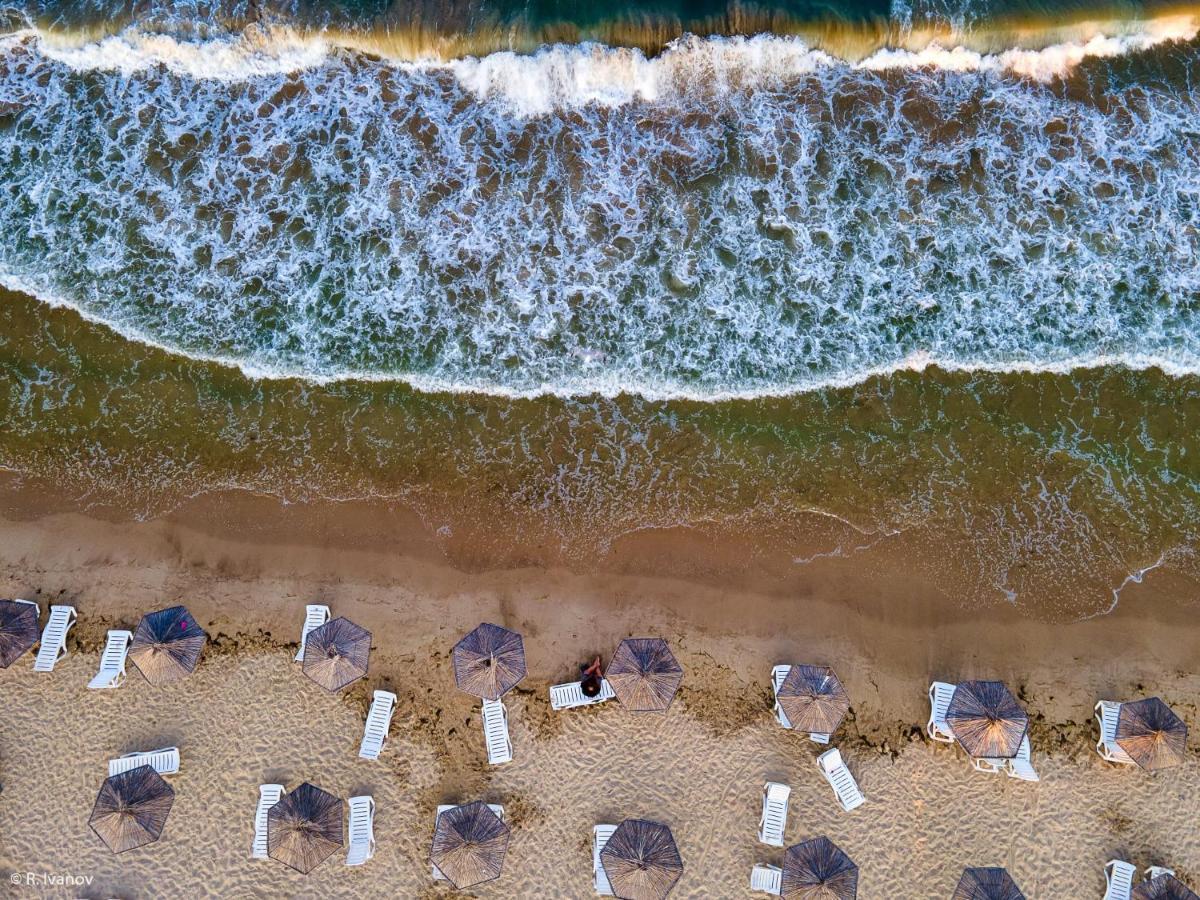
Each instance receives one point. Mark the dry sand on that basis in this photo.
(248, 716)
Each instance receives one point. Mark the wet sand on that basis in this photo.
(246, 566)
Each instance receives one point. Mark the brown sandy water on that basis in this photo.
(1051, 493)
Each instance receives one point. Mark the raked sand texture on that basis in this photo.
(251, 717)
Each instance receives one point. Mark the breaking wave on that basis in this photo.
(733, 217)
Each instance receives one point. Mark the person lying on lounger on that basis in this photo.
(590, 681)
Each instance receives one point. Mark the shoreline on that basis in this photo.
(246, 565)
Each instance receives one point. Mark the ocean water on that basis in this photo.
(866, 272)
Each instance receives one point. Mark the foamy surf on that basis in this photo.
(732, 218)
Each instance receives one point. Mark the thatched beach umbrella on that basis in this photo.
(641, 860)
(18, 630)
(1164, 887)
(131, 809)
(987, 720)
(1152, 735)
(489, 661)
(469, 844)
(167, 645)
(818, 870)
(987, 884)
(644, 674)
(336, 653)
(304, 827)
(813, 699)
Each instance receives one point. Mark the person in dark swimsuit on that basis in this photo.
(590, 680)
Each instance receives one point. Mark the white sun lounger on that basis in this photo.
(1154, 871)
(268, 796)
(494, 807)
(495, 732)
(54, 638)
(379, 719)
(164, 761)
(778, 674)
(600, 836)
(362, 830)
(1118, 875)
(833, 767)
(1020, 766)
(315, 616)
(768, 879)
(773, 820)
(571, 695)
(1107, 714)
(940, 695)
(112, 660)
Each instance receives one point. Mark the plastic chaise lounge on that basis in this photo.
(940, 695)
(768, 879)
(362, 830)
(379, 719)
(600, 836)
(833, 767)
(54, 638)
(315, 616)
(112, 661)
(1020, 766)
(164, 761)
(1153, 872)
(494, 807)
(778, 674)
(495, 732)
(571, 695)
(268, 796)
(1118, 875)
(1107, 714)
(773, 821)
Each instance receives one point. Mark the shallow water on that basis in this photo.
(1047, 491)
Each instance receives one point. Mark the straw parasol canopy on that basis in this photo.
(304, 828)
(641, 860)
(1152, 735)
(131, 809)
(813, 699)
(644, 674)
(18, 630)
(469, 844)
(818, 870)
(987, 884)
(987, 720)
(489, 661)
(1164, 887)
(336, 653)
(167, 645)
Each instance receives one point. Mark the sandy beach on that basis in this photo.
(248, 716)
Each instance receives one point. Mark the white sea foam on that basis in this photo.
(733, 219)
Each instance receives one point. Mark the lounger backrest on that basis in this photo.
(114, 651)
(54, 636)
(362, 814)
(768, 879)
(600, 836)
(1119, 876)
